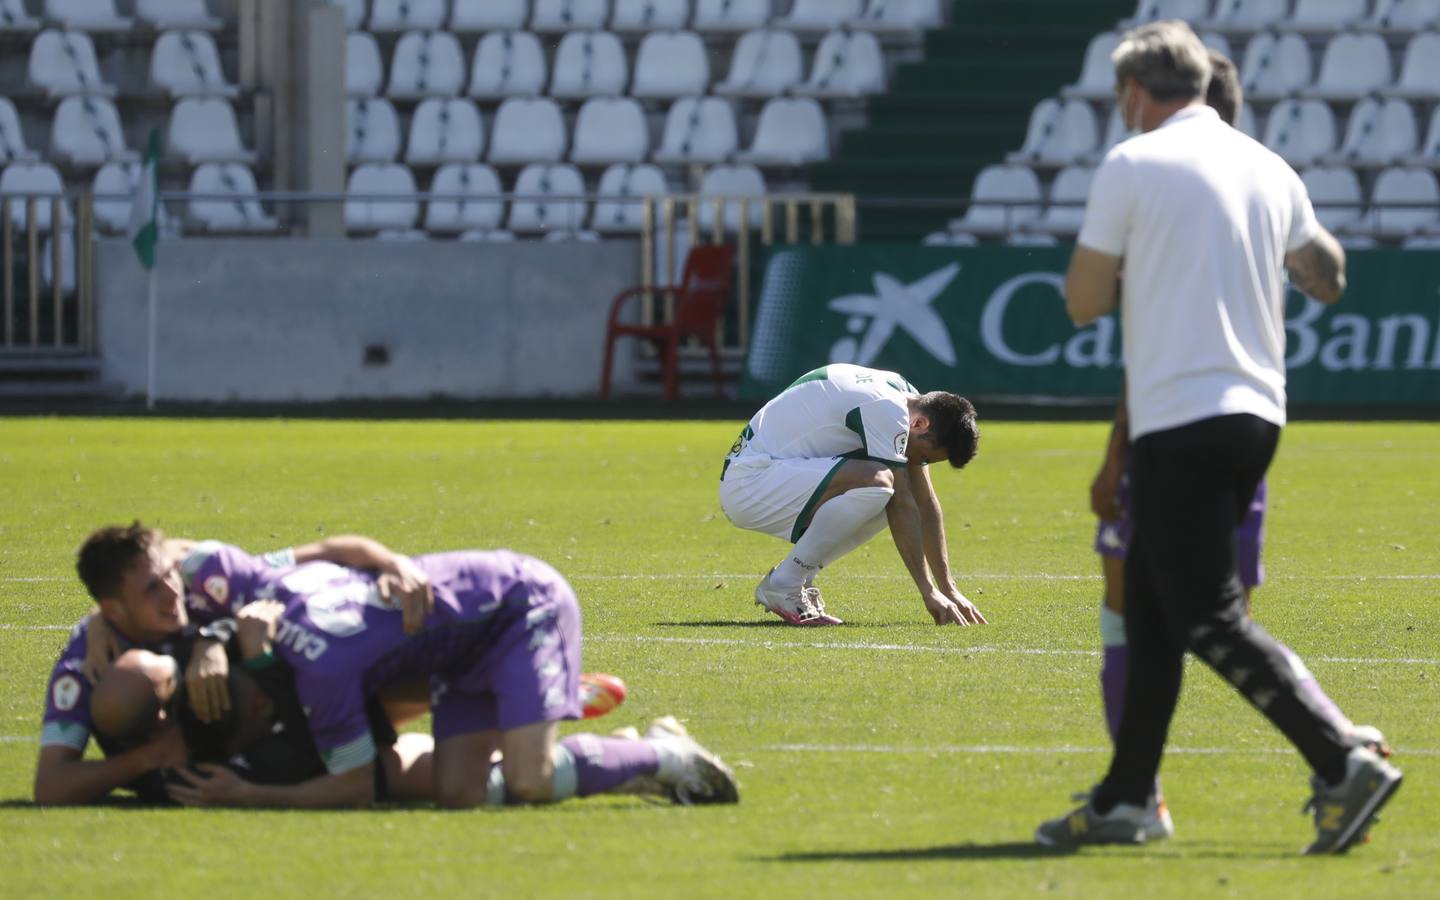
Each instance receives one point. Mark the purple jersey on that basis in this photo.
(220, 578)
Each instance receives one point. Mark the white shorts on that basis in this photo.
(774, 496)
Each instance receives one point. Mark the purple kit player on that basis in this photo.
(501, 652)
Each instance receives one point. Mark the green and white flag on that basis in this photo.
(145, 205)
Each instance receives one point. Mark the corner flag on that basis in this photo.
(144, 228)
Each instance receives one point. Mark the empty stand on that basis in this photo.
(426, 64)
(372, 130)
(364, 70)
(34, 179)
(467, 198)
(1244, 16)
(649, 15)
(1059, 134)
(406, 15)
(1420, 71)
(87, 15)
(1275, 66)
(1378, 134)
(205, 130)
(765, 63)
(1065, 212)
(354, 12)
(63, 63)
(445, 129)
(1400, 16)
(86, 132)
(1097, 73)
(901, 17)
(1323, 16)
(508, 64)
(187, 14)
(791, 132)
(671, 65)
(114, 184)
(698, 130)
(547, 198)
(1335, 194)
(226, 199)
(383, 180)
(528, 130)
(1154, 10)
(728, 184)
(569, 15)
(589, 64)
(1429, 155)
(14, 18)
(187, 64)
(616, 210)
(1005, 199)
(730, 15)
(1405, 201)
(820, 15)
(610, 130)
(12, 139)
(1302, 131)
(847, 64)
(488, 15)
(1353, 65)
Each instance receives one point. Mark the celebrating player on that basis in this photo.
(832, 460)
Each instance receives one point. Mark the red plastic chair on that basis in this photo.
(700, 301)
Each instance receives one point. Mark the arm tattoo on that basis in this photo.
(1318, 270)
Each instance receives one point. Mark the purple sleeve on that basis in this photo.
(336, 709)
(67, 698)
(220, 578)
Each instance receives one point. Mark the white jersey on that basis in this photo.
(836, 411)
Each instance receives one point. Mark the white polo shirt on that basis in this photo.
(1203, 216)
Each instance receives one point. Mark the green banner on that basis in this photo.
(990, 321)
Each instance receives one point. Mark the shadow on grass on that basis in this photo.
(1005, 850)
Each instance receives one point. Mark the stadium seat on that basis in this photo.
(1247, 121)
(1335, 194)
(443, 130)
(372, 130)
(167, 14)
(363, 213)
(464, 182)
(1404, 202)
(113, 187)
(26, 179)
(12, 138)
(610, 130)
(847, 64)
(569, 15)
(239, 211)
(1302, 131)
(1378, 134)
(1353, 66)
(1005, 199)
(1097, 73)
(87, 15)
(1401, 16)
(1245, 16)
(1030, 239)
(1155, 10)
(1323, 16)
(86, 131)
(406, 15)
(187, 64)
(727, 183)
(1219, 43)
(1065, 212)
(765, 63)
(583, 236)
(205, 130)
(699, 130)
(1422, 242)
(498, 236)
(67, 262)
(614, 214)
(426, 64)
(364, 72)
(899, 16)
(649, 15)
(792, 132)
(354, 12)
(14, 18)
(63, 63)
(949, 239)
(816, 16)
(507, 64)
(528, 130)
(468, 16)
(1420, 71)
(1429, 155)
(1059, 134)
(730, 15)
(402, 235)
(1115, 132)
(589, 64)
(671, 64)
(534, 211)
(1275, 66)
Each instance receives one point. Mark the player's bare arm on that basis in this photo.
(207, 680)
(63, 777)
(1106, 487)
(406, 586)
(1318, 268)
(932, 525)
(218, 786)
(903, 515)
(1091, 285)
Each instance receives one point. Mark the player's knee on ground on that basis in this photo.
(529, 780)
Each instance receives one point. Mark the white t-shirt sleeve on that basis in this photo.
(1304, 227)
(1109, 208)
(884, 425)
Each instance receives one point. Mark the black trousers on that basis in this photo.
(1191, 487)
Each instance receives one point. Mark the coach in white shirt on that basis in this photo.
(1206, 221)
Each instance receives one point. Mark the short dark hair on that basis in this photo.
(108, 552)
(1224, 95)
(952, 425)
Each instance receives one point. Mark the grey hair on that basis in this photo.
(1166, 58)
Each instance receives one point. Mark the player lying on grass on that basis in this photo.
(829, 463)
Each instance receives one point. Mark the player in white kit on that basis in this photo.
(829, 463)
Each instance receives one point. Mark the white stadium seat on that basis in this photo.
(899, 16)
(589, 64)
(12, 139)
(498, 236)
(1030, 239)
(1323, 16)
(1429, 155)
(610, 130)
(1005, 199)
(67, 262)
(406, 15)
(1066, 209)
(1301, 131)
(817, 16)
(354, 12)
(1059, 134)
(443, 130)
(63, 63)
(533, 209)
(1155, 10)
(24, 179)
(113, 186)
(730, 15)
(583, 236)
(87, 15)
(699, 130)
(1335, 194)
(726, 184)
(847, 64)
(614, 213)
(792, 132)
(205, 130)
(87, 131)
(426, 64)
(507, 64)
(187, 64)
(1402, 16)
(1420, 71)
(166, 14)
(765, 63)
(488, 15)
(14, 18)
(569, 15)
(1243, 16)
(364, 72)
(1354, 65)
(671, 64)
(238, 211)
(383, 179)
(466, 181)
(1115, 132)
(1219, 43)
(372, 130)
(649, 15)
(1404, 202)
(1275, 66)
(949, 239)
(1097, 73)
(1378, 134)
(528, 130)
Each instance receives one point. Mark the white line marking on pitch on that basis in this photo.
(1001, 749)
(992, 576)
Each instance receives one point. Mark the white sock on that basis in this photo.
(854, 542)
(834, 527)
(1112, 627)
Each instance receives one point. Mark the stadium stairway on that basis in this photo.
(43, 377)
(963, 107)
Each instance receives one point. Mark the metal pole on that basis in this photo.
(8, 269)
(57, 267)
(84, 274)
(151, 354)
(33, 265)
(743, 260)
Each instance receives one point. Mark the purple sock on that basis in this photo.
(604, 763)
(1312, 688)
(1112, 684)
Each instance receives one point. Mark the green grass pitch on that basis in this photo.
(886, 757)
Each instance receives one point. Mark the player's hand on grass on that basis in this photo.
(945, 610)
(212, 786)
(207, 680)
(101, 648)
(1105, 492)
(255, 626)
(407, 586)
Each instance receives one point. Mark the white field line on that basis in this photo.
(969, 576)
(1003, 749)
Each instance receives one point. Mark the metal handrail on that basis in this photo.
(84, 337)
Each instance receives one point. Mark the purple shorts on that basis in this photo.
(1112, 539)
(530, 674)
